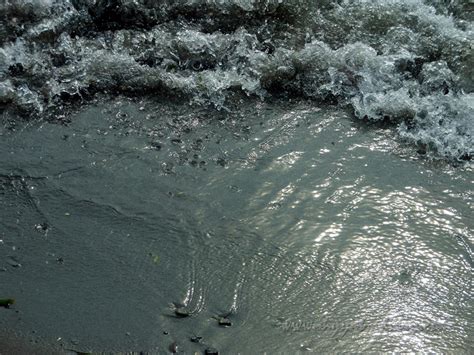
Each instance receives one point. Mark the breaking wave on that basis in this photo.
(408, 62)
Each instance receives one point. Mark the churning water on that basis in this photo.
(408, 61)
(298, 169)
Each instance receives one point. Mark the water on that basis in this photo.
(403, 61)
(301, 168)
(276, 214)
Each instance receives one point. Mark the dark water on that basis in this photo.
(300, 169)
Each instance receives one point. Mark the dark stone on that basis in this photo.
(155, 145)
(422, 149)
(196, 339)
(174, 347)
(182, 312)
(198, 144)
(221, 162)
(211, 351)
(42, 227)
(7, 302)
(13, 262)
(225, 322)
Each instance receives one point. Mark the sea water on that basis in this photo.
(299, 168)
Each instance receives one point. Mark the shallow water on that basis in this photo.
(309, 230)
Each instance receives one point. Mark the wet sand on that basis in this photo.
(11, 344)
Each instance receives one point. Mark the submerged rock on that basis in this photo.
(196, 339)
(182, 312)
(173, 347)
(225, 322)
(6, 302)
(211, 351)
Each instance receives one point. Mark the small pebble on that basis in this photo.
(13, 262)
(196, 339)
(225, 322)
(7, 302)
(211, 351)
(174, 347)
(156, 145)
(41, 227)
(182, 312)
